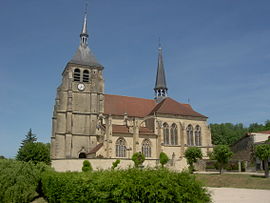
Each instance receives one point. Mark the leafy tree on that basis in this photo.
(263, 152)
(87, 167)
(2, 157)
(29, 137)
(192, 154)
(163, 159)
(35, 152)
(138, 159)
(222, 154)
(115, 164)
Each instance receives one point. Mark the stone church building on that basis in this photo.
(89, 124)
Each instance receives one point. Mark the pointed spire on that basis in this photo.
(83, 55)
(160, 86)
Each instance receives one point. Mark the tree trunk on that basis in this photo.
(266, 168)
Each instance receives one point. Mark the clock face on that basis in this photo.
(81, 87)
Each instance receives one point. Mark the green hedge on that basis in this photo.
(19, 181)
(131, 185)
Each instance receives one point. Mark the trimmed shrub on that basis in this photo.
(115, 163)
(163, 159)
(87, 167)
(138, 159)
(130, 185)
(20, 181)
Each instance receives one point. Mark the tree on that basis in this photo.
(35, 152)
(192, 154)
(2, 157)
(29, 137)
(87, 167)
(163, 159)
(138, 159)
(222, 154)
(263, 152)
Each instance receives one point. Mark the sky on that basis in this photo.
(216, 56)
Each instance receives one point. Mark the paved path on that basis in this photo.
(237, 195)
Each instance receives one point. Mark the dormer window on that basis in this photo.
(85, 76)
(77, 75)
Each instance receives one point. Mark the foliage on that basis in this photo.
(87, 167)
(138, 159)
(163, 158)
(19, 181)
(29, 137)
(262, 151)
(192, 154)
(228, 133)
(115, 163)
(130, 185)
(222, 155)
(35, 152)
(2, 157)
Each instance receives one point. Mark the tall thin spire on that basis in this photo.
(160, 86)
(84, 55)
(84, 33)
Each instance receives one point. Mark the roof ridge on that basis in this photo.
(129, 97)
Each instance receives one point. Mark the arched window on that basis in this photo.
(190, 135)
(77, 74)
(146, 148)
(166, 133)
(198, 141)
(82, 155)
(120, 148)
(85, 76)
(174, 136)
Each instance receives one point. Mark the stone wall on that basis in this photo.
(62, 165)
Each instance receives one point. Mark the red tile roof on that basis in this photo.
(264, 132)
(119, 105)
(96, 148)
(170, 106)
(139, 107)
(120, 129)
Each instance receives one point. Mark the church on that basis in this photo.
(89, 124)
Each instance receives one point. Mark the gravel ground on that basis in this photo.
(237, 195)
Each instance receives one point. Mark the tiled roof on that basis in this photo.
(170, 106)
(96, 148)
(264, 132)
(139, 107)
(119, 105)
(120, 129)
(124, 129)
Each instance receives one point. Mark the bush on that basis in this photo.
(20, 181)
(130, 185)
(138, 159)
(115, 164)
(163, 159)
(87, 167)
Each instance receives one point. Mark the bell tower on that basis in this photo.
(78, 104)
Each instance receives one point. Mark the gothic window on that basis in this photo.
(166, 133)
(190, 135)
(120, 148)
(85, 76)
(146, 148)
(174, 136)
(77, 75)
(198, 141)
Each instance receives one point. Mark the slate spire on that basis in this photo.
(160, 86)
(84, 55)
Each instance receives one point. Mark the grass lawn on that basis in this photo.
(234, 181)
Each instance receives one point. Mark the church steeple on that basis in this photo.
(84, 34)
(160, 86)
(84, 55)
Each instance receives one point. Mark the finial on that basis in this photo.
(86, 7)
(159, 44)
(84, 34)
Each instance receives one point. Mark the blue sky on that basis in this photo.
(216, 53)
